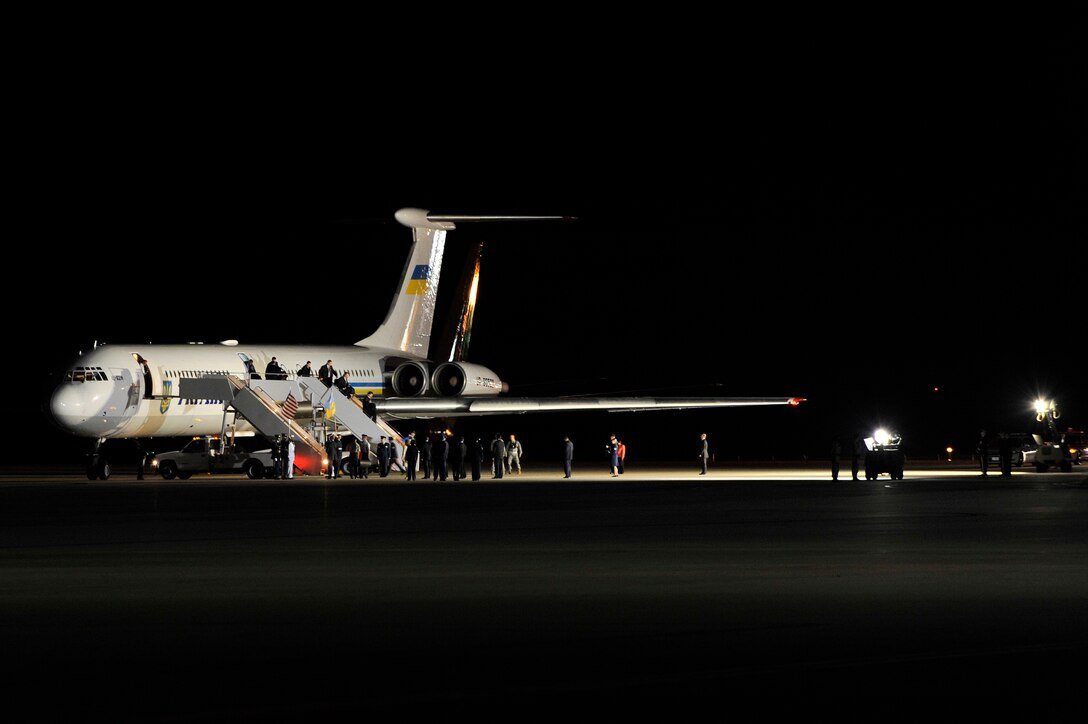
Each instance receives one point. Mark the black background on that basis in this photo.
(890, 224)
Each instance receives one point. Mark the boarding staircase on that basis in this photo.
(256, 405)
(348, 411)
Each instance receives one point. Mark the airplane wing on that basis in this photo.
(395, 407)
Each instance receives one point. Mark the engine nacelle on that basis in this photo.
(410, 379)
(462, 379)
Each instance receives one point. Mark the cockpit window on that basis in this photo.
(85, 374)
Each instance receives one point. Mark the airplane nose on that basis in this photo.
(68, 407)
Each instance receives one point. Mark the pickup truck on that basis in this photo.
(203, 455)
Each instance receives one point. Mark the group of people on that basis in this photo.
(283, 457)
(437, 457)
(858, 452)
(617, 451)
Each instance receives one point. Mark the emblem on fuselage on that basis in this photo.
(164, 403)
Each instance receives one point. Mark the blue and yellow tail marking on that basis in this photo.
(420, 280)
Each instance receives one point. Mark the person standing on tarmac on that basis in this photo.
(513, 455)
(613, 450)
(477, 458)
(383, 458)
(411, 456)
(277, 457)
(425, 455)
(836, 450)
(333, 450)
(458, 451)
(442, 458)
(289, 461)
(1004, 454)
(621, 452)
(858, 455)
(568, 456)
(364, 456)
(353, 458)
(498, 455)
(983, 450)
(704, 452)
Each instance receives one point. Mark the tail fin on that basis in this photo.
(407, 326)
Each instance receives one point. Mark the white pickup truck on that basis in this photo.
(204, 455)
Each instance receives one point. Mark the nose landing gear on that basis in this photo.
(98, 467)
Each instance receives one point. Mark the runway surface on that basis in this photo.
(229, 599)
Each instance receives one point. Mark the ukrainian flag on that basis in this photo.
(420, 280)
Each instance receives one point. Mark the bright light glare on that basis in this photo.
(881, 436)
(1041, 406)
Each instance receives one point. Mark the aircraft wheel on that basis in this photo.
(168, 470)
(92, 472)
(104, 470)
(254, 469)
(1020, 459)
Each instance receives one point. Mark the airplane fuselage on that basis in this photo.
(132, 391)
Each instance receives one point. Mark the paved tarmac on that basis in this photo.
(229, 599)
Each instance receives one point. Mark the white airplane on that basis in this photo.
(132, 390)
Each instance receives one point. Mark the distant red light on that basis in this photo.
(795, 401)
(934, 389)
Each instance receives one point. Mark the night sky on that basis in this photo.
(850, 224)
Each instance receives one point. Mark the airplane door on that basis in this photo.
(251, 369)
(123, 398)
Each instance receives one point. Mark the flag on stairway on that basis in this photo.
(329, 402)
(290, 406)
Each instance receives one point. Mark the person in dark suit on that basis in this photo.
(983, 450)
(442, 458)
(411, 456)
(305, 370)
(459, 459)
(498, 455)
(364, 456)
(277, 457)
(858, 455)
(327, 374)
(1004, 454)
(704, 452)
(477, 458)
(425, 454)
(836, 450)
(274, 370)
(568, 456)
(369, 408)
(383, 457)
(353, 458)
(333, 449)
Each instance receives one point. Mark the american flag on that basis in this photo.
(290, 406)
